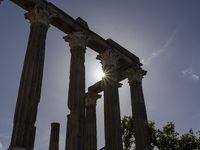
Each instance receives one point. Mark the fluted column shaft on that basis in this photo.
(54, 136)
(76, 96)
(112, 119)
(90, 121)
(140, 121)
(23, 134)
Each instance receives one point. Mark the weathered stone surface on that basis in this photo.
(77, 39)
(23, 135)
(67, 140)
(115, 62)
(113, 135)
(54, 136)
(39, 15)
(90, 121)
(140, 123)
(135, 74)
(82, 22)
(68, 25)
(76, 96)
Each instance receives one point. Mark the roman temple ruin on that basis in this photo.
(117, 63)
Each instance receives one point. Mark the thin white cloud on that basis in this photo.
(1, 146)
(156, 53)
(188, 73)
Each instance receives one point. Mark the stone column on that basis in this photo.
(54, 137)
(113, 135)
(90, 121)
(67, 132)
(23, 134)
(140, 122)
(76, 96)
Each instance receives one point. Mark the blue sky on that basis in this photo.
(164, 34)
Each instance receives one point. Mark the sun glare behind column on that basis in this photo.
(100, 74)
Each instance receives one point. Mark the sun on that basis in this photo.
(100, 74)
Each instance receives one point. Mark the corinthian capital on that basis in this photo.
(108, 58)
(39, 15)
(77, 39)
(91, 98)
(135, 74)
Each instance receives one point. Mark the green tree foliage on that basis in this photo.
(167, 137)
(127, 132)
(164, 139)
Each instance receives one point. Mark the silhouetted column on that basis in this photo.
(140, 123)
(54, 137)
(113, 135)
(76, 96)
(90, 121)
(67, 132)
(23, 134)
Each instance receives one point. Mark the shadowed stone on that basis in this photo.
(76, 96)
(54, 136)
(113, 135)
(140, 123)
(115, 62)
(90, 121)
(23, 134)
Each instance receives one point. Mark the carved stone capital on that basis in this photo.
(91, 98)
(39, 15)
(77, 39)
(108, 58)
(135, 74)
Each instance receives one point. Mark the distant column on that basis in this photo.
(67, 132)
(76, 96)
(140, 123)
(23, 134)
(90, 121)
(54, 137)
(113, 134)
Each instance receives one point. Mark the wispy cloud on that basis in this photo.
(156, 53)
(1, 146)
(189, 73)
